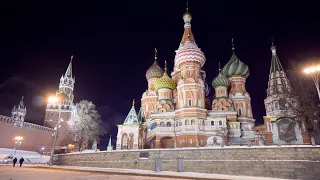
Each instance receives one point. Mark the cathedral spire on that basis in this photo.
(21, 104)
(132, 117)
(278, 81)
(187, 35)
(232, 44)
(69, 70)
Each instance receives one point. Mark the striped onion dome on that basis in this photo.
(220, 80)
(154, 71)
(235, 67)
(165, 82)
(189, 51)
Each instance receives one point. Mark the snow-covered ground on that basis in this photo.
(31, 157)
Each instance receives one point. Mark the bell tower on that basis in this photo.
(18, 114)
(61, 105)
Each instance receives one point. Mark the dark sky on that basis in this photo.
(113, 44)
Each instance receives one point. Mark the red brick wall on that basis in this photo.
(34, 137)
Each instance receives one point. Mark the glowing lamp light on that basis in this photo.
(53, 99)
(18, 138)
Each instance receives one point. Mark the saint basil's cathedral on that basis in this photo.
(175, 111)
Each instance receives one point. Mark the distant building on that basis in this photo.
(36, 137)
(63, 108)
(175, 111)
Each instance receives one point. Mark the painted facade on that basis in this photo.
(175, 112)
(282, 123)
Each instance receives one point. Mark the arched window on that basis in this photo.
(220, 123)
(187, 122)
(162, 124)
(189, 102)
(212, 123)
(177, 123)
(168, 124)
(180, 123)
(203, 122)
(192, 122)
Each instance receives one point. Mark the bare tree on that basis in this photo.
(86, 125)
(305, 92)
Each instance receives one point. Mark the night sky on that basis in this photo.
(113, 45)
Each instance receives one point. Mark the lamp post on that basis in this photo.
(314, 72)
(18, 141)
(54, 99)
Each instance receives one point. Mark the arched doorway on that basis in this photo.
(124, 141)
(131, 140)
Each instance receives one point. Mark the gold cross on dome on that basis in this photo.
(133, 102)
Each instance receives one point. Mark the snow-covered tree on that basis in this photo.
(86, 125)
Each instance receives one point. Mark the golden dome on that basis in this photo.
(165, 82)
(186, 15)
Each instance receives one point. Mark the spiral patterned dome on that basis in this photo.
(154, 71)
(235, 67)
(220, 80)
(189, 52)
(165, 82)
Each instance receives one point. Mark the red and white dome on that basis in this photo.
(188, 49)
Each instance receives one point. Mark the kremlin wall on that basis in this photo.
(35, 137)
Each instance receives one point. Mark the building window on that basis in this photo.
(161, 124)
(187, 122)
(168, 124)
(212, 123)
(189, 102)
(190, 141)
(201, 142)
(177, 123)
(220, 123)
(192, 122)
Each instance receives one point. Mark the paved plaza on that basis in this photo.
(25, 173)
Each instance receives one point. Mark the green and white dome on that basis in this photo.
(235, 67)
(220, 80)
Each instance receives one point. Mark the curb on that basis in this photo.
(117, 172)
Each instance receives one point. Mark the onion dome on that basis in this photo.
(165, 81)
(235, 67)
(155, 70)
(220, 80)
(188, 49)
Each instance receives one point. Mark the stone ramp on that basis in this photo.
(165, 174)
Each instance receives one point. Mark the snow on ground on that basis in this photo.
(137, 172)
(29, 156)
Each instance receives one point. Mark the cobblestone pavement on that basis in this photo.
(17, 173)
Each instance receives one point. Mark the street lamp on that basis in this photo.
(314, 72)
(18, 141)
(54, 99)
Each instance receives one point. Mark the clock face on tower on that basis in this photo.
(286, 128)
